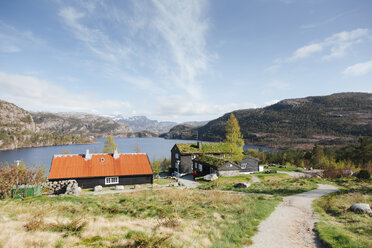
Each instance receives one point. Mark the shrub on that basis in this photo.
(332, 172)
(363, 174)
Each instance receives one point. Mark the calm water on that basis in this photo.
(156, 148)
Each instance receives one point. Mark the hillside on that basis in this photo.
(18, 130)
(326, 120)
(80, 123)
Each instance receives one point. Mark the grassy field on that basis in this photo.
(277, 184)
(340, 227)
(288, 168)
(162, 218)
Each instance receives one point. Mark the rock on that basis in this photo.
(270, 171)
(242, 185)
(79, 190)
(98, 188)
(210, 177)
(119, 187)
(361, 208)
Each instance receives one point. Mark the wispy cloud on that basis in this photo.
(173, 35)
(183, 27)
(359, 69)
(306, 51)
(36, 94)
(14, 41)
(334, 46)
(180, 105)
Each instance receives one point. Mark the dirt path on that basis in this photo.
(255, 179)
(292, 222)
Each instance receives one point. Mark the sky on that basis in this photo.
(180, 60)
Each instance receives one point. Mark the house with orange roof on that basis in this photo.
(104, 169)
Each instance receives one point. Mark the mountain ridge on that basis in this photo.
(335, 119)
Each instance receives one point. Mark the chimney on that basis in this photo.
(199, 144)
(88, 156)
(116, 154)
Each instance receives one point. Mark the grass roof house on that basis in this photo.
(183, 154)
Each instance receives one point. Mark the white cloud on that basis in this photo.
(38, 95)
(359, 69)
(270, 102)
(164, 38)
(335, 46)
(306, 51)
(183, 28)
(180, 105)
(14, 41)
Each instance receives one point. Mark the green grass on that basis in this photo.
(288, 168)
(163, 181)
(340, 227)
(190, 218)
(276, 184)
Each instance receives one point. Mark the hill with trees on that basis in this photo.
(332, 120)
(18, 130)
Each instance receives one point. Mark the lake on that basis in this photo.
(156, 148)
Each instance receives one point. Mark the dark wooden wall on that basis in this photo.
(123, 180)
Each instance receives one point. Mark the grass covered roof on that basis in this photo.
(211, 160)
(192, 148)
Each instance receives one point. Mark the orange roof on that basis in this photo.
(99, 165)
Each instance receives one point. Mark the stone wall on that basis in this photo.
(231, 173)
(66, 187)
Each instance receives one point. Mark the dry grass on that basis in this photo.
(167, 218)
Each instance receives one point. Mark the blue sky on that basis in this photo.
(180, 60)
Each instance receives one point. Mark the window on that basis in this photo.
(176, 155)
(243, 166)
(200, 167)
(102, 160)
(111, 180)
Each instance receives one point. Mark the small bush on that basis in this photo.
(36, 223)
(143, 240)
(363, 174)
(75, 227)
(332, 172)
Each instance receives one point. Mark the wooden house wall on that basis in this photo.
(251, 165)
(91, 182)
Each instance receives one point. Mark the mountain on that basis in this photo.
(195, 123)
(295, 123)
(141, 123)
(80, 123)
(18, 130)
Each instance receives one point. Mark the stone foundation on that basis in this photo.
(66, 187)
(232, 173)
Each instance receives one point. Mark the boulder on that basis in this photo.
(98, 188)
(242, 185)
(119, 187)
(210, 177)
(361, 208)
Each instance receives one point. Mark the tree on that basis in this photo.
(155, 164)
(109, 146)
(137, 148)
(234, 138)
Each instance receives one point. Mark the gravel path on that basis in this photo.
(255, 179)
(188, 181)
(292, 222)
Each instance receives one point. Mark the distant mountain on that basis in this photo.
(18, 130)
(325, 120)
(80, 123)
(141, 123)
(195, 123)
